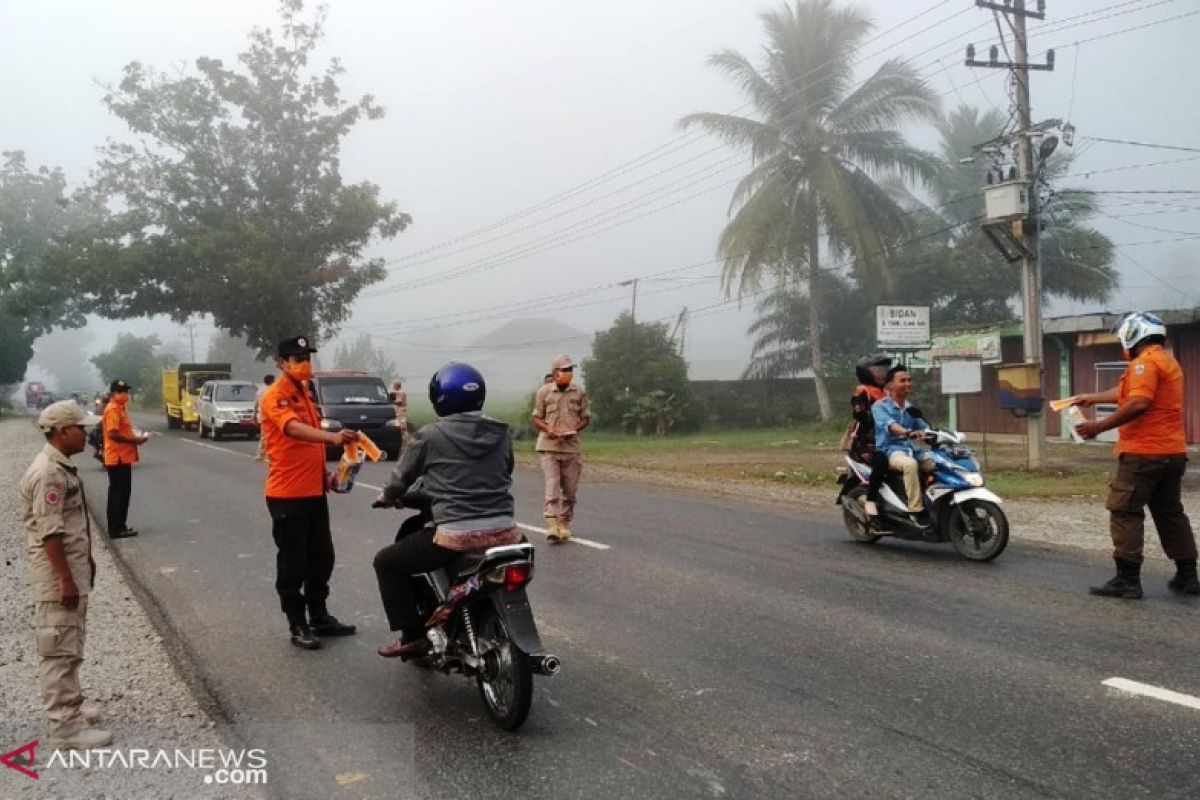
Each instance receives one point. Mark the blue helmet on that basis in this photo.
(455, 388)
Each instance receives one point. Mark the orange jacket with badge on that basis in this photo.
(116, 418)
(295, 468)
(1158, 431)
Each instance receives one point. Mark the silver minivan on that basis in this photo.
(227, 407)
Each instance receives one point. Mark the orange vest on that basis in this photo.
(1156, 376)
(295, 468)
(116, 418)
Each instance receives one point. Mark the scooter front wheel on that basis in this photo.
(977, 529)
(854, 514)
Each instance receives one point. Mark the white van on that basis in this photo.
(227, 407)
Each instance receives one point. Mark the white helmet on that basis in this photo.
(1137, 326)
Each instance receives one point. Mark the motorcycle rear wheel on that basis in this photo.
(983, 535)
(854, 514)
(507, 688)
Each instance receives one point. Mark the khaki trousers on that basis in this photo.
(60, 637)
(1154, 482)
(562, 471)
(911, 469)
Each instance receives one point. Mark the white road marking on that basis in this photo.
(214, 447)
(575, 539)
(521, 525)
(1146, 690)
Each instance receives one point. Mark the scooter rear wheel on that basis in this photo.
(982, 534)
(854, 514)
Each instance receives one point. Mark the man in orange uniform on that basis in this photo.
(296, 484)
(1151, 459)
(120, 454)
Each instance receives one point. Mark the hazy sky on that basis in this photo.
(494, 107)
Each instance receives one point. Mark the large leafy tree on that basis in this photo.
(635, 372)
(229, 200)
(819, 144)
(958, 270)
(137, 360)
(244, 362)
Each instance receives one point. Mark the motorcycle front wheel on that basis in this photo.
(978, 530)
(506, 684)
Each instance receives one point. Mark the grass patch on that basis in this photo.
(606, 446)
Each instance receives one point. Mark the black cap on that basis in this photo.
(296, 346)
(118, 386)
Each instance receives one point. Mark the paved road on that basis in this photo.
(715, 649)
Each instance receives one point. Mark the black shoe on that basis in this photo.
(1127, 584)
(1185, 580)
(123, 534)
(302, 637)
(328, 625)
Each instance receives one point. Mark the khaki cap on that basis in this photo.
(64, 413)
(562, 362)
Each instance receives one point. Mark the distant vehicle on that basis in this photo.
(34, 391)
(227, 407)
(181, 391)
(358, 401)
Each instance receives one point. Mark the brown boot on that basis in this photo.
(552, 529)
(564, 529)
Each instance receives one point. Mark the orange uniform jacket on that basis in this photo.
(295, 468)
(1156, 376)
(116, 418)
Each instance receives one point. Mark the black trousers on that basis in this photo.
(394, 566)
(120, 486)
(304, 554)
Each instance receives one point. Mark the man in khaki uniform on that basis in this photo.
(560, 413)
(58, 545)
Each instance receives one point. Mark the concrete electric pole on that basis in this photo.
(1025, 229)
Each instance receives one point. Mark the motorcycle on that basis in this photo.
(479, 622)
(958, 509)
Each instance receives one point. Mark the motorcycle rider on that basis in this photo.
(895, 425)
(464, 461)
(859, 438)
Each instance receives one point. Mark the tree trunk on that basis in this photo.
(814, 319)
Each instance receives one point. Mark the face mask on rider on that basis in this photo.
(301, 371)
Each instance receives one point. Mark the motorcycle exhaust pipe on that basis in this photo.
(547, 665)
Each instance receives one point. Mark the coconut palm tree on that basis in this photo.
(818, 145)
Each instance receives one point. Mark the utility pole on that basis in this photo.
(1025, 230)
(191, 328)
(634, 283)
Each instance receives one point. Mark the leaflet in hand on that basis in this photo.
(1071, 413)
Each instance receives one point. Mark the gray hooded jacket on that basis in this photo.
(466, 463)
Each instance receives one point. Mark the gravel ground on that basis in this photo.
(147, 701)
(1081, 523)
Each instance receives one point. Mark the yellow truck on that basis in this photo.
(181, 391)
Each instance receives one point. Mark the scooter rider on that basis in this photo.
(894, 426)
(464, 461)
(871, 372)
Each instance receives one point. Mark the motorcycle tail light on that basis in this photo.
(513, 576)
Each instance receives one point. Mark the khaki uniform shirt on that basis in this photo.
(562, 411)
(401, 405)
(52, 502)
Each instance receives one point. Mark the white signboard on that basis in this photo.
(902, 327)
(961, 375)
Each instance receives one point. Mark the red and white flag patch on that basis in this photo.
(53, 497)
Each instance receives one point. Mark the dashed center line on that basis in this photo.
(1156, 692)
(521, 525)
